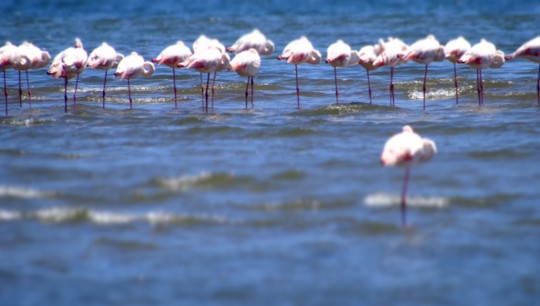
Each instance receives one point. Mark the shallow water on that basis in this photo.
(270, 205)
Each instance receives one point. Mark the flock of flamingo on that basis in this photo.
(209, 56)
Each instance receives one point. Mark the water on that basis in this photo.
(271, 205)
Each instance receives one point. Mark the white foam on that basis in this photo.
(6, 215)
(184, 182)
(432, 94)
(57, 214)
(105, 217)
(387, 200)
(22, 192)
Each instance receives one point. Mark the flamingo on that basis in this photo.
(481, 56)
(209, 60)
(404, 150)
(9, 56)
(68, 64)
(531, 51)
(247, 63)
(32, 57)
(256, 40)
(104, 57)
(132, 66)
(454, 50)
(297, 52)
(392, 53)
(339, 54)
(172, 56)
(200, 46)
(426, 51)
(367, 56)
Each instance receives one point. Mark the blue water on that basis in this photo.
(271, 205)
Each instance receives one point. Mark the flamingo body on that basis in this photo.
(426, 51)
(454, 50)
(393, 52)
(256, 40)
(104, 57)
(133, 66)
(405, 150)
(297, 52)
(171, 57)
(530, 51)
(366, 59)
(339, 54)
(247, 64)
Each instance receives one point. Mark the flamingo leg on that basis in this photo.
(392, 97)
(297, 88)
(252, 105)
(369, 86)
(129, 95)
(75, 92)
(29, 92)
(247, 92)
(174, 85)
(206, 93)
(424, 88)
(214, 89)
(65, 95)
(481, 87)
(20, 90)
(404, 197)
(104, 87)
(456, 84)
(5, 91)
(538, 86)
(478, 85)
(202, 90)
(335, 82)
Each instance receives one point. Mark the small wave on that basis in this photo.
(98, 217)
(204, 180)
(387, 200)
(23, 193)
(433, 94)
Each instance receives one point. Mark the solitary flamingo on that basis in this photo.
(32, 57)
(426, 51)
(531, 51)
(454, 50)
(172, 56)
(68, 64)
(481, 56)
(9, 56)
(393, 53)
(132, 66)
(256, 40)
(339, 54)
(209, 60)
(104, 57)
(404, 150)
(297, 52)
(247, 63)
(367, 56)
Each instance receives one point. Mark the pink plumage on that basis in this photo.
(247, 64)
(454, 50)
(339, 54)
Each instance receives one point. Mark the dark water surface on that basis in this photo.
(271, 205)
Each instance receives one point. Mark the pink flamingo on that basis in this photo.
(393, 53)
(481, 56)
(404, 150)
(253, 40)
(132, 66)
(339, 54)
(207, 60)
(426, 51)
(200, 46)
(104, 57)
(531, 51)
(297, 52)
(68, 64)
(454, 50)
(367, 56)
(31, 58)
(247, 63)
(172, 56)
(9, 56)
